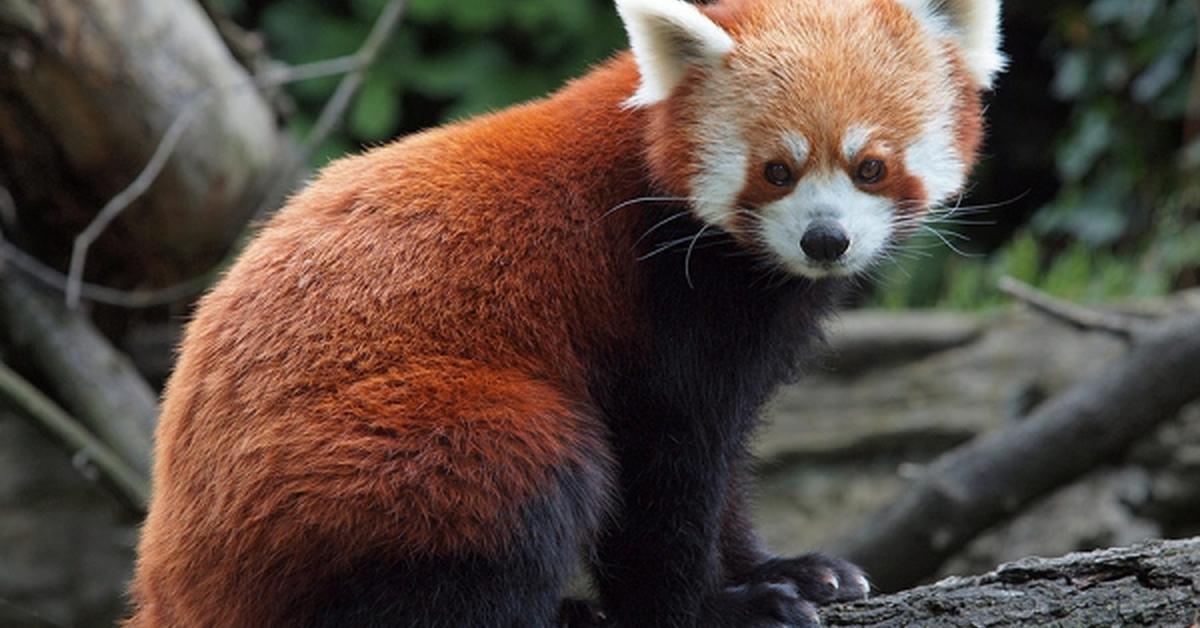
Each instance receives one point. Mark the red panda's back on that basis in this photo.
(345, 374)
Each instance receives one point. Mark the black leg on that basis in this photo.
(659, 565)
(819, 579)
(742, 551)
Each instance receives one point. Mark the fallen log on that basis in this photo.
(1152, 584)
(994, 477)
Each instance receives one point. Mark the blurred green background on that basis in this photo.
(1089, 186)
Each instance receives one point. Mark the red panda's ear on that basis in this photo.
(668, 37)
(974, 25)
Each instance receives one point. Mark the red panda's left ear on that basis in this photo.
(668, 37)
(974, 25)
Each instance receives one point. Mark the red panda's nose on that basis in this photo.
(824, 241)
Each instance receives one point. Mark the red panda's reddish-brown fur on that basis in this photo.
(403, 360)
(345, 372)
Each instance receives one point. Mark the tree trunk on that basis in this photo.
(83, 106)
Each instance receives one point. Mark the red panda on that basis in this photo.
(457, 368)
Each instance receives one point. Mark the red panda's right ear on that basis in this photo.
(974, 25)
(668, 37)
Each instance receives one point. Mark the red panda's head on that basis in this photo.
(815, 131)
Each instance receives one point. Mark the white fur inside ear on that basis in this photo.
(974, 24)
(668, 37)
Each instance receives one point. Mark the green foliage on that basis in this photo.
(448, 60)
(1126, 68)
(1124, 219)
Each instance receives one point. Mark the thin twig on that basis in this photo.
(246, 46)
(335, 107)
(126, 197)
(29, 401)
(1081, 318)
(132, 299)
(353, 66)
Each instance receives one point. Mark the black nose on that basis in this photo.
(824, 241)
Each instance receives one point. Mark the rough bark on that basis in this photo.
(1153, 584)
(83, 107)
(994, 477)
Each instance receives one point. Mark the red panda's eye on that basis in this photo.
(871, 171)
(779, 174)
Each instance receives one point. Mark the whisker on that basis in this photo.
(957, 208)
(665, 246)
(903, 270)
(907, 251)
(962, 223)
(659, 224)
(687, 269)
(999, 204)
(947, 242)
(644, 199)
(908, 225)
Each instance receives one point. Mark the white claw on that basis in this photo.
(834, 582)
(865, 584)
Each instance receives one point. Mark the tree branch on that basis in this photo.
(86, 109)
(335, 107)
(81, 369)
(73, 286)
(34, 269)
(992, 477)
(1081, 318)
(24, 398)
(353, 66)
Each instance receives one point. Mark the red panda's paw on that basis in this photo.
(579, 613)
(819, 578)
(761, 605)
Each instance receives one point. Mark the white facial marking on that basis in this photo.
(855, 140)
(830, 196)
(722, 152)
(668, 37)
(934, 159)
(722, 175)
(798, 145)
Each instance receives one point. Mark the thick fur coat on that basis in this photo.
(458, 368)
